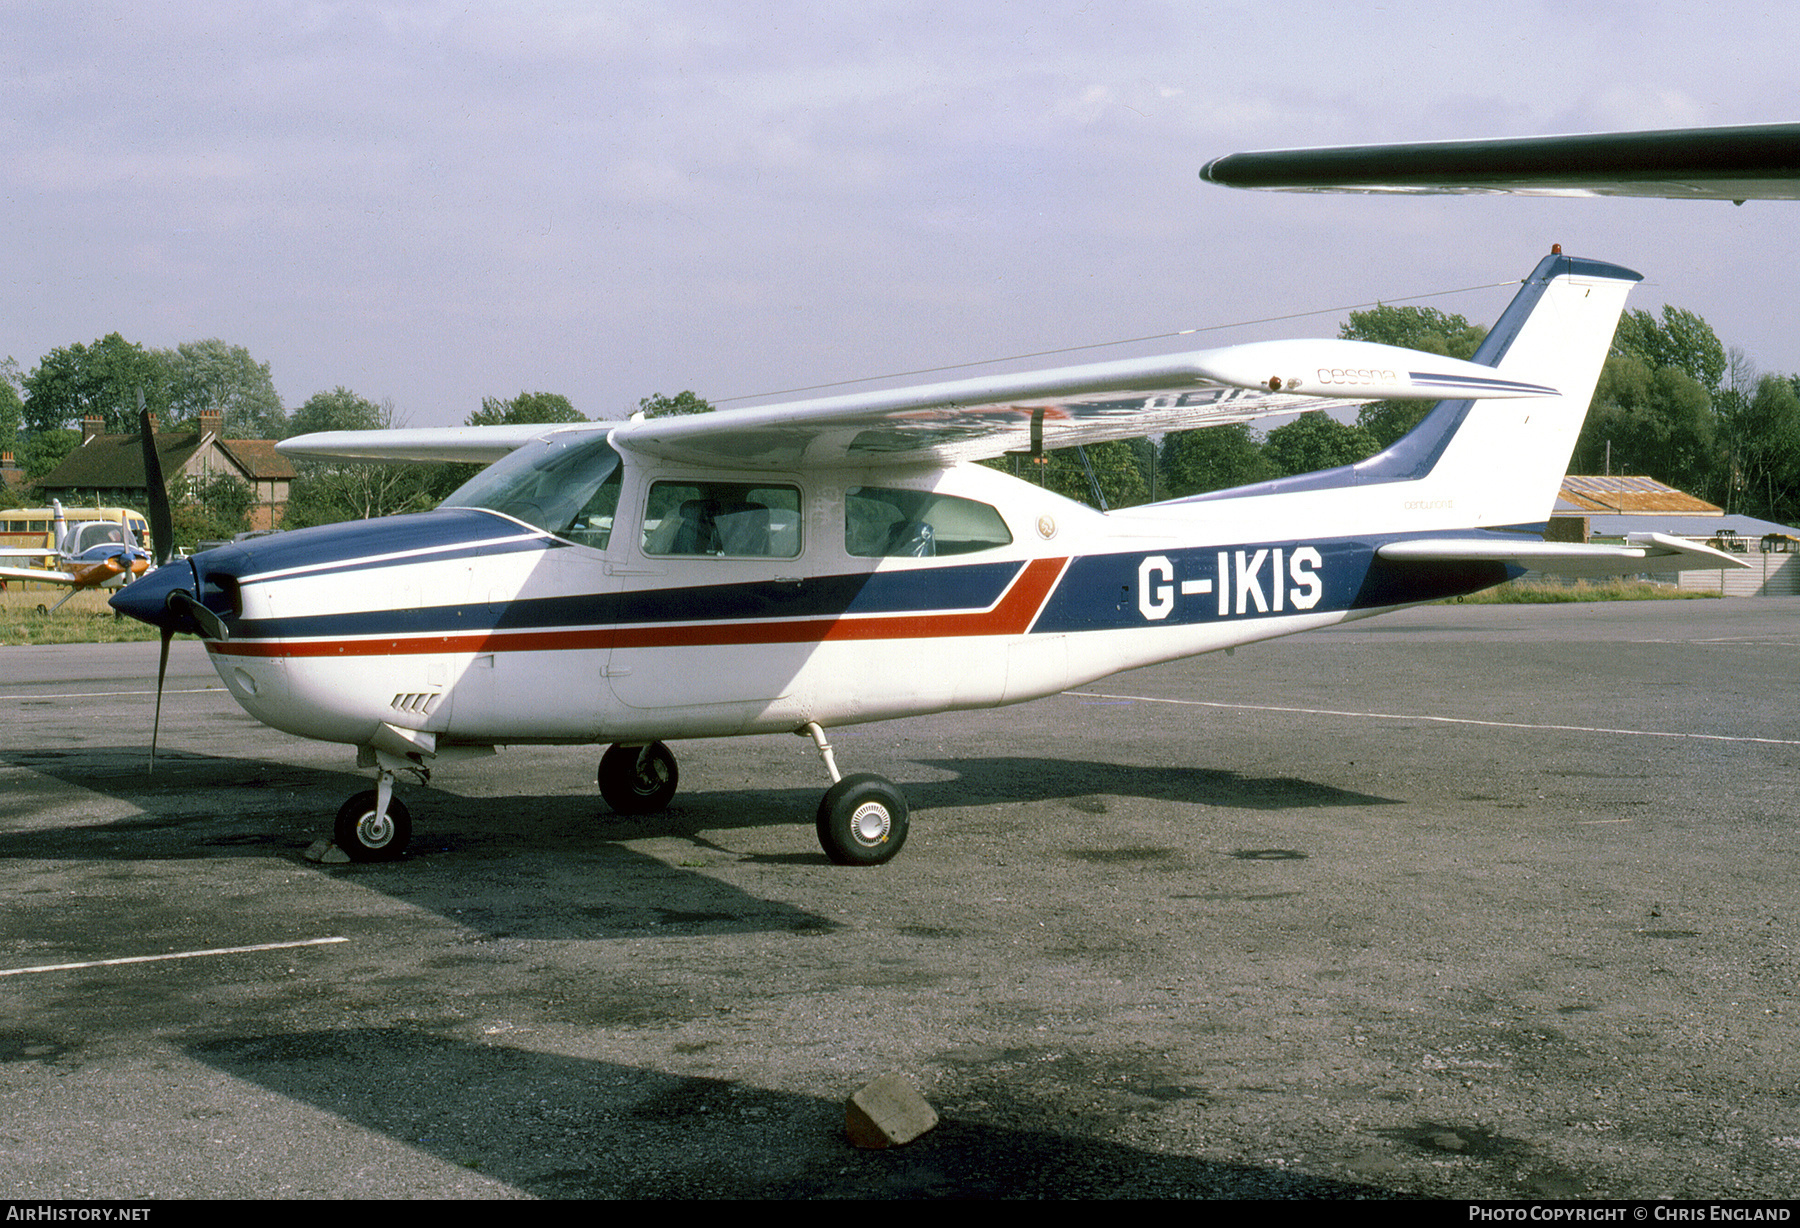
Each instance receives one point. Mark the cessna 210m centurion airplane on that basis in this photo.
(830, 562)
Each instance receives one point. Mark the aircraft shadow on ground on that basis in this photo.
(515, 851)
(562, 1127)
(512, 853)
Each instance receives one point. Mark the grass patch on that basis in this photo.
(1542, 592)
(86, 619)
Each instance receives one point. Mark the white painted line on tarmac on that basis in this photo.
(1441, 720)
(198, 690)
(150, 959)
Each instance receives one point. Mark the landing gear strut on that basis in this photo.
(368, 831)
(375, 825)
(638, 779)
(862, 819)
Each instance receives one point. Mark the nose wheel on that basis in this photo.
(368, 831)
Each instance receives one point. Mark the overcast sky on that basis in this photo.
(436, 202)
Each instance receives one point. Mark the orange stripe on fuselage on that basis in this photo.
(1013, 615)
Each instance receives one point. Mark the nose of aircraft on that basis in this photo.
(147, 598)
(165, 598)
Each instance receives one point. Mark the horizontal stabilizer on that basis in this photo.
(1641, 552)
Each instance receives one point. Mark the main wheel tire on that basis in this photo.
(862, 820)
(638, 780)
(362, 838)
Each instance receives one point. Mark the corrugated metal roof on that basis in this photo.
(1592, 493)
(1699, 527)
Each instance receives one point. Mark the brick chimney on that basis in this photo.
(211, 421)
(91, 425)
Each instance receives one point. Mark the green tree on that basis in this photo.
(1415, 328)
(524, 409)
(659, 406)
(1765, 435)
(1118, 471)
(212, 375)
(43, 451)
(1213, 458)
(1680, 339)
(209, 509)
(103, 378)
(325, 492)
(12, 406)
(1316, 441)
(1656, 422)
(338, 410)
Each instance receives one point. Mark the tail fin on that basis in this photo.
(1506, 464)
(1493, 463)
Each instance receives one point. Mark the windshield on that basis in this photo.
(567, 486)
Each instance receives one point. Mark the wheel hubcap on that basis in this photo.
(870, 824)
(375, 832)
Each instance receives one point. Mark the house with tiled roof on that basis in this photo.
(109, 469)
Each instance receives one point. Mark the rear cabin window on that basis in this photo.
(880, 523)
(722, 520)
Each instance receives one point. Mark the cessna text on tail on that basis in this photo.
(800, 567)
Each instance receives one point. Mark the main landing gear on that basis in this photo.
(638, 779)
(862, 820)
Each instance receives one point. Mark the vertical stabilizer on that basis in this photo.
(1493, 462)
(1504, 461)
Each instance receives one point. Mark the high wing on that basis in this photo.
(1562, 558)
(1754, 162)
(988, 416)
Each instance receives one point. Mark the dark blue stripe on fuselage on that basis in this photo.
(328, 548)
(1115, 591)
(933, 590)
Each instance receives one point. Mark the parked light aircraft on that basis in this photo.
(799, 567)
(88, 555)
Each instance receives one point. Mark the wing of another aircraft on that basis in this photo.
(42, 575)
(991, 415)
(1754, 162)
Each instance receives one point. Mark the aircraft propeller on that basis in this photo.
(159, 601)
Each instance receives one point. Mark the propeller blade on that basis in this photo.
(162, 525)
(162, 670)
(212, 627)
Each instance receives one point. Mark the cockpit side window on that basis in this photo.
(722, 519)
(880, 523)
(570, 489)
